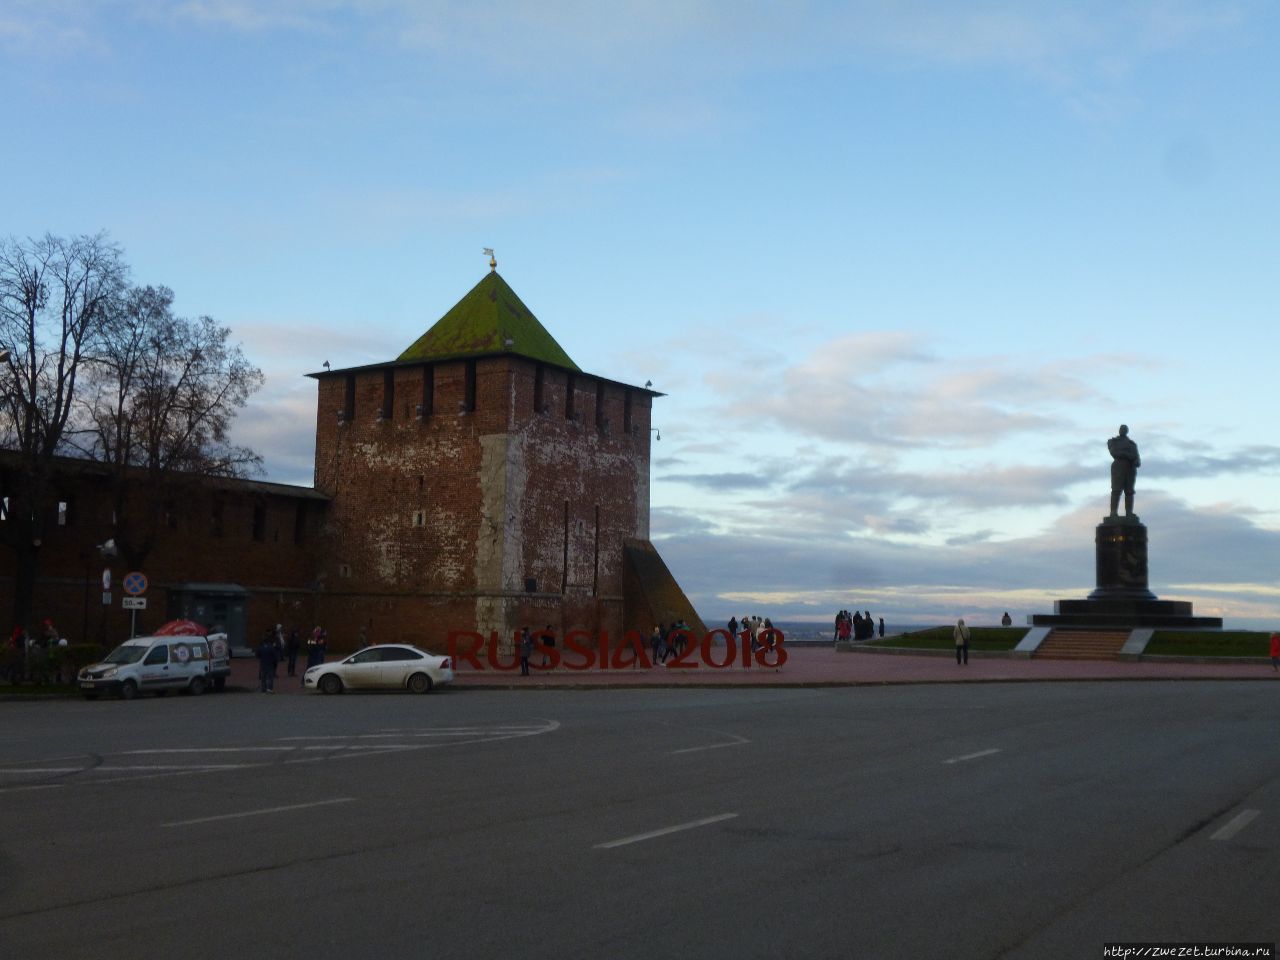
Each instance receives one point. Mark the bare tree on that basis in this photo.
(56, 296)
(160, 396)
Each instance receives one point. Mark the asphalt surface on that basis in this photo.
(967, 820)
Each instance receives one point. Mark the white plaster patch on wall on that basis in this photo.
(384, 542)
(517, 475)
(448, 569)
(491, 538)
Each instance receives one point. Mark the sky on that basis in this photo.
(900, 268)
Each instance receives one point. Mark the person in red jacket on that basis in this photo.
(1275, 651)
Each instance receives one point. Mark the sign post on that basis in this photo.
(135, 585)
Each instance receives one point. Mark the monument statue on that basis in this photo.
(1124, 470)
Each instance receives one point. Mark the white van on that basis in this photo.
(150, 664)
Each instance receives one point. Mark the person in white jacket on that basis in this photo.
(961, 635)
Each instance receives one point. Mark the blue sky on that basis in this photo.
(901, 268)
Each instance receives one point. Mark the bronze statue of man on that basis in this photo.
(1124, 470)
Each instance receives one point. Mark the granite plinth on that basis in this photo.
(1122, 598)
(1121, 544)
(1125, 613)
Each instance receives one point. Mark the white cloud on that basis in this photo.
(1212, 559)
(893, 390)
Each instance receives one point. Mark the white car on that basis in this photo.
(386, 666)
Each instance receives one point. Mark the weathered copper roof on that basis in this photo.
(490, 319)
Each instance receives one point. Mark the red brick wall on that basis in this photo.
(276, 570)
(492, 486)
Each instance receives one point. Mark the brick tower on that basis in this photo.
(482, 481)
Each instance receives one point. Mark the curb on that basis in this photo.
(831, 684)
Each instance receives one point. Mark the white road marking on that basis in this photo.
(299, 754)
(973, 756)
(142, 753)
(1235, 825)
(736, 742)
(664, 831)
(259, 813)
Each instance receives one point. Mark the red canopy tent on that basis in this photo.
(181, 628)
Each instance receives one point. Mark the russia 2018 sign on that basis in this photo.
(481, 653)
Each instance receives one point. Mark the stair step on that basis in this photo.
(1082, 644)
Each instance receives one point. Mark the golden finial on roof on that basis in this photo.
(493, 264)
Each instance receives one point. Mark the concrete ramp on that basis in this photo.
(651, 594)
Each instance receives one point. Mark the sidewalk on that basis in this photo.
(820, 667)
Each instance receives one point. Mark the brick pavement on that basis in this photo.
(822, 666)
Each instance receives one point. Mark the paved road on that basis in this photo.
(1025, 820)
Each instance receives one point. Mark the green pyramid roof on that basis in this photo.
(489, 319)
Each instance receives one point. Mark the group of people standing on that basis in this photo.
(32, 657)
(668, 640)
(277, 646)
(760, 631)
(546, 639)
(857, 626)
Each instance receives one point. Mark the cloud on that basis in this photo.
(255, 16)
(280, 425)
(55, 29)
(893, 390)
(721, 481)
(1253, 459)
(1216, 559)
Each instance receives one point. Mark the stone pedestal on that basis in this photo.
(1122, 598)
(1121, 544)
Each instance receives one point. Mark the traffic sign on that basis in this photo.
(134, 584)
(133, 603)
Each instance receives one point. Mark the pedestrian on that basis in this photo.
(278, 636)
(733, 626)
(961, 635)
(291, 648)
(679, 637)
(316, 644)
(268, 660)
(882, 628)
(846, 626)
(526, 648)
(548, 639)
(655, 641)
(1275, 651)
(1006, 620)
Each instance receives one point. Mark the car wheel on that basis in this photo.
(419, 683)
(196, 687)
(128, 690)
(330, 683)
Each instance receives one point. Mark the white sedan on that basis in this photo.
(387, 666)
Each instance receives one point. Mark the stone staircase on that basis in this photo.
(1082, 644)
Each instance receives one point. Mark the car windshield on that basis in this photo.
(129, 653)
